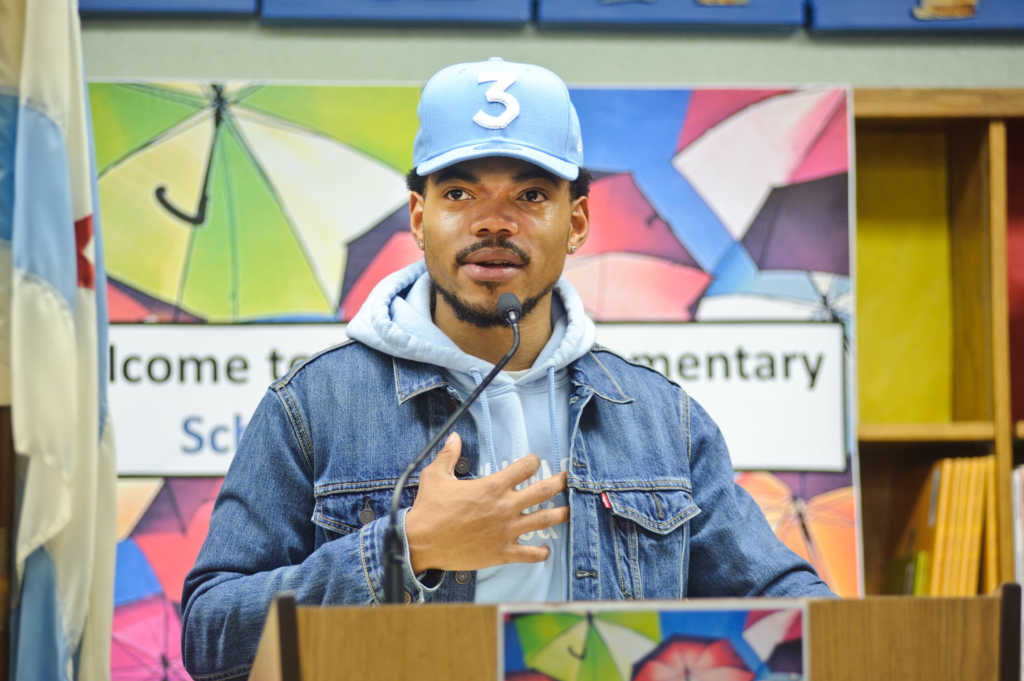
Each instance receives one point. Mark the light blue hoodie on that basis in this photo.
(519, 413)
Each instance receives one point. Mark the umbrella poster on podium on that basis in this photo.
(725, 641)
(245, 223)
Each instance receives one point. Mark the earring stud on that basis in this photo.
(419, 242)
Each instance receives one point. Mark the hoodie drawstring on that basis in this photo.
(478, 377)
(556, 455)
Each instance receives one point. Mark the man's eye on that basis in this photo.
(534, 195)
(456, 194)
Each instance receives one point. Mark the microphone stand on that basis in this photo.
(394, 546)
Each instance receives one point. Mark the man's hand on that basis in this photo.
(471, 524)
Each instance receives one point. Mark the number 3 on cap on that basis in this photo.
(496, 93)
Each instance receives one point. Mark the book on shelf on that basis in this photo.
(948, 545)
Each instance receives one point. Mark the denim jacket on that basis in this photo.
(654, 511)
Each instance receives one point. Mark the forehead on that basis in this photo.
(494, 168)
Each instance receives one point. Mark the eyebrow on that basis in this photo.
(455, 173)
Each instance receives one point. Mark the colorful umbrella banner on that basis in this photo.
(234, 202)
(239, 202)
(161, 526)
(716, 641)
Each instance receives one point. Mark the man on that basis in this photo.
(577, 475)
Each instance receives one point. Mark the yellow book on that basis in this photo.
(941, 527)
(917, 543)
(973, 525)
(950, 563)
(990, 571)
(961, 557)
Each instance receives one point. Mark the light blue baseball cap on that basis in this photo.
(497, 108)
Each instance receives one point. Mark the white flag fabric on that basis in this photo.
(53, 350)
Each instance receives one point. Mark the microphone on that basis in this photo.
(510, 311)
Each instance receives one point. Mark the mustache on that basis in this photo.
(493, 242)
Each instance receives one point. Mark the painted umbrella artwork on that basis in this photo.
(693, 658)
(785, 202)
(161, 525)
(777, 638)
(146, 644)
(173, 528)
(587, 646)
(226, 202)
(632, 266)
(814, 518)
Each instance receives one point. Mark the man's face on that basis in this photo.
(494, 225)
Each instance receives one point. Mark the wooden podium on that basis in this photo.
(881, 638)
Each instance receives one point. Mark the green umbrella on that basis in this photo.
(588, 646)
(235, 201)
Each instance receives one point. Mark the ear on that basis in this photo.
(416, 217)
(579, 223)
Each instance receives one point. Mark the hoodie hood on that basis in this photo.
(396, 319)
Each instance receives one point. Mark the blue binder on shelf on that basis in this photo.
(769, 14)
(169, 6)
(400, 11)
(917, 15)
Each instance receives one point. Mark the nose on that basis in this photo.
(494, 218)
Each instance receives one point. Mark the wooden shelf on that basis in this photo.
(925, 103)
(956, 431)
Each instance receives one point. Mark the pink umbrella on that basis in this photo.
(173, 528)
(710, 107)
(632, 266)
(126, 304)
(398, 251)
(626, 287)
(686, 658)
(146, 642)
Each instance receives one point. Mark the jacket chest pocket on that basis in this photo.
(336, 514)
(649, 532)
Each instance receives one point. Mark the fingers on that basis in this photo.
(520, 553)
(540, 491)
(518, 471)
(541, 520)
(449, 454)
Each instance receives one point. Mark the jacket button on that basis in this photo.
(463, 576)
(462, 466)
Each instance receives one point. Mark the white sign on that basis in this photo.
(774, 389)
(181, 395)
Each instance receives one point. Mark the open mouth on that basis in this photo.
(490, 264)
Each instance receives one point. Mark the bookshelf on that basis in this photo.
(933, 339)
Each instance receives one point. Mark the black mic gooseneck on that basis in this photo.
(509, 310)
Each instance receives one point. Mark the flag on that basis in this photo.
(53, 350)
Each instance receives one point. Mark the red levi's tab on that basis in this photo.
(604, 500)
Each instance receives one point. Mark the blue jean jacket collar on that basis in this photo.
(587, 374)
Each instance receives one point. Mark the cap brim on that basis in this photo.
(563, 169)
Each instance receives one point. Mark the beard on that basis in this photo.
(479, 316)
